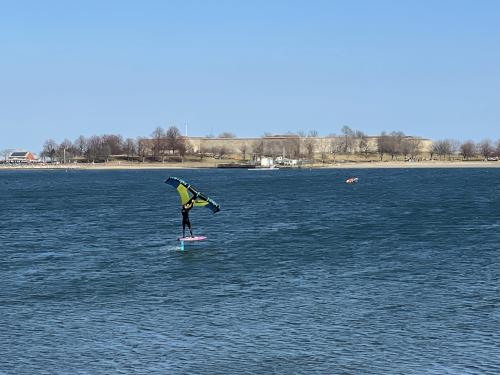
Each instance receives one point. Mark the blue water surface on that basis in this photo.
(301, 273)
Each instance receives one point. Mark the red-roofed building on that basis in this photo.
(21, 157)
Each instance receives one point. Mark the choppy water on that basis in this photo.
(301, 273)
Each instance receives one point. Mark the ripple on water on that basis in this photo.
(395, 275)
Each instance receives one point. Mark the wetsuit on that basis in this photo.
(185, 217)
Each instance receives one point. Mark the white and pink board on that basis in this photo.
(192, 239)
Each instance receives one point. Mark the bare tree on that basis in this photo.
(243, 150)
(220, 151)
(405, 148)
(49, 149)
(93, 148)
(302, 139)
(363, 145)
(390, 144)
(443, 148)
(143, 146)
(114, 143)
(159, 142)
(324, 147)
(272, 147)
(410, 148)
(65, 150)
(80, 145)
(182, 147)
(440, 148)
(189, 146)
(258, 147)
(415, 147)
(105, 150)
(291, 146)
(309, 145)
(174, 140)
(384, 145)
(6, 153)
(130, 148)
(467, 150)
(497, 148)
(202, 150)
(336, 145)
(485, 148)
(97, 149)
(395, 142)
(348, 136)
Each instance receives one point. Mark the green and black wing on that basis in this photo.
(187, 192)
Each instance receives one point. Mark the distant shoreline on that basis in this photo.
(213, 165)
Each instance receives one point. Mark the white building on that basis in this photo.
(21, 157)
(266, 162)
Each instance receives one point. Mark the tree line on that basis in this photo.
(468, 150)
(169, 145)
(162, 144)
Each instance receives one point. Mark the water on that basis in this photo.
(301, 273)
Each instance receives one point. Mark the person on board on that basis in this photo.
(185, 216)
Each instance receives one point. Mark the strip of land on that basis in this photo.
(214, 164)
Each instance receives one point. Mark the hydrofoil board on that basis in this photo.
(192, 239)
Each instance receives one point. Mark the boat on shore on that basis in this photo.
(271, 168)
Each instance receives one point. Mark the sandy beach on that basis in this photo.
(423, 164)
(212, 164)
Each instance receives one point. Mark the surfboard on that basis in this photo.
(192, 239)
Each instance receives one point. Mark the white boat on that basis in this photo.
(271, 168)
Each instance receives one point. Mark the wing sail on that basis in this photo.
(187, 192)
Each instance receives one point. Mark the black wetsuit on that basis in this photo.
(185, 218)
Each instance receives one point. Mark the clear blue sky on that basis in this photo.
(429, 68)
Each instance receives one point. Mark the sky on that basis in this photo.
(70, 68)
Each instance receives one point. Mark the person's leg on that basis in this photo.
(189, 226)
(183, 226)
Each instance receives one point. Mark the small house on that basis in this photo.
(21, 157)
(266, 162)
